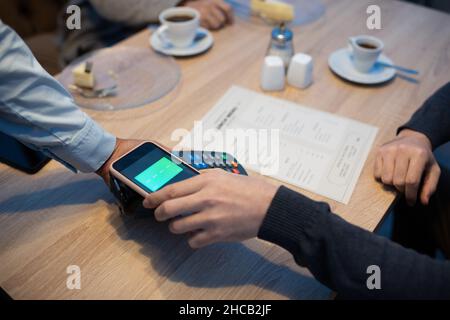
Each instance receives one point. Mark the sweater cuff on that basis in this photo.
(424, 129)
(433, 118)
(290, 220)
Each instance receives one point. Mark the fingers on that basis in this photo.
(219, 17)
(185, 199)
(405, 162)
(413, 178)
(215, 14)
(227, 11)
(387, 174)
(176, 190)
(191, 223)
(177, 207)
(201, 239)
(431, 180)
(377, 170)
(405, 172)
(211, 21)
(400, 170)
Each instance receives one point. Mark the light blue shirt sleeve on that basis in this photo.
(36, 110)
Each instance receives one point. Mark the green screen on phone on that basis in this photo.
(158, 174)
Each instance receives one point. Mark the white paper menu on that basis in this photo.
(311, 149)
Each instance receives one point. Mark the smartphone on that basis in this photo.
(149, 167)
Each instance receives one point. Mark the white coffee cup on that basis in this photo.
(178, 26)
(365, 51)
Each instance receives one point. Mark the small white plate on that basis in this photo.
(341, 64)
(203, 41)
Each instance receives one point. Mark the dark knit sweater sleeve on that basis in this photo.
(433, 118)
(339, 253)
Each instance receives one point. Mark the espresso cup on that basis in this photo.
(365, 51)
(179, 26)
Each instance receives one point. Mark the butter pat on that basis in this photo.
(83, 76)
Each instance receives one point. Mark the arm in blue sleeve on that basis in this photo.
(36, 110)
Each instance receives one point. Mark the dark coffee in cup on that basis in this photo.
(179, 18)
(367, 45)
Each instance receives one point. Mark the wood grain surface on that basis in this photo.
(56, 218)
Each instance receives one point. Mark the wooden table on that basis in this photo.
(55, 218)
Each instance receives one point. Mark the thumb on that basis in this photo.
(431, 180)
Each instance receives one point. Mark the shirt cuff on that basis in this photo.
(89, 150)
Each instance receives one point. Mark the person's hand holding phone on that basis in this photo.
(214, 206)
(407, 162)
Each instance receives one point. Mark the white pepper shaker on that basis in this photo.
(273, 74)
(300, 72)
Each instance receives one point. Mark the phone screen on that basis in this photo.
(152, 168)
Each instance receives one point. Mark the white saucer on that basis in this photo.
(204, 40)
(341, 64)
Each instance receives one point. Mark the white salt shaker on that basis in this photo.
(273, 74)
(300, 71)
